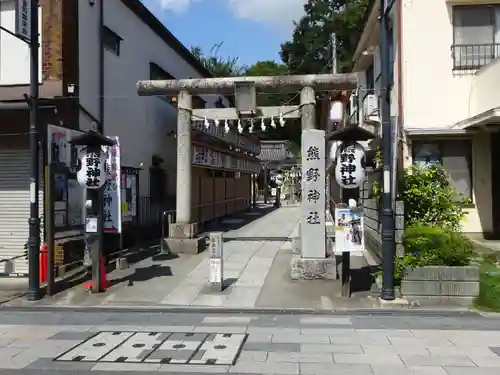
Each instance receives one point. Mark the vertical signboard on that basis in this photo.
(112, 214)
(23, 19)
(313, 236)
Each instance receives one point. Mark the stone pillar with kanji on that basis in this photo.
(312, 263)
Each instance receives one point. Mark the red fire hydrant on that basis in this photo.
(43, 264)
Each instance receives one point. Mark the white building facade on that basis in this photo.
(446, 73)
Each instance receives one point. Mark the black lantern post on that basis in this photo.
(92, 174)
(348, 134)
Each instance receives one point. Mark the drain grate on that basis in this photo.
(181, 348)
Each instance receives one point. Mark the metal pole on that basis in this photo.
(388, 243)
(255, 186)
(34, 220)
(266, 184)
(334, 71)
(49, 227)
(162, 243)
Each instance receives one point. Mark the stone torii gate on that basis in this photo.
(184, 231)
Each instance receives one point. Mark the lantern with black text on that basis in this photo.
(350, 168)
(92, 173)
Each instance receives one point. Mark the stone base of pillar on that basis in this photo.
(183, 230)
(313, 268)
(186, 245)
(183, 239)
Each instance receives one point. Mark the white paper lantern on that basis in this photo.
(350, 171)
(336, 112)
(92, 173)
(335, 115)
(279, 179)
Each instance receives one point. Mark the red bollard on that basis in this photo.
(104, 280)
(43, 264)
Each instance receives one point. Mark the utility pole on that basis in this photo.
(334, 71)
(388, 242)
(34, 220)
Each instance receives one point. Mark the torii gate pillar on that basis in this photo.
(183, 232)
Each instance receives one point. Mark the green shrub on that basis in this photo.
(427, 245)
(429, 198)
(489, 292)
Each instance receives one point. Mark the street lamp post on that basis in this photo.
(388, 240)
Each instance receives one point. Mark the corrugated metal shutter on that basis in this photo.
(15, 208)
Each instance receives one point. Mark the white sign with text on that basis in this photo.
(112, 214)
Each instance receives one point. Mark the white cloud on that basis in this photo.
(176, 6)
(278, 12)
(275, 12)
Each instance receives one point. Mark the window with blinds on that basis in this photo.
(455, 155)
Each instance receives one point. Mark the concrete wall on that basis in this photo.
(485, 92)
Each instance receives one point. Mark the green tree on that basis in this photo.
(218, 65)
(309, 50)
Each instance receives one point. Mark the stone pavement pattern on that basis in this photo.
(363, 344)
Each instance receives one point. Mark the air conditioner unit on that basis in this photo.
(370, 105)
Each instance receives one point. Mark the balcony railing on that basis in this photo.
(473, 56)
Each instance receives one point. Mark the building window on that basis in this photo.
(455, 155)
(476, 35)
(111, 40)
(156, 72)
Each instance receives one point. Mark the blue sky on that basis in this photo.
(251, 30)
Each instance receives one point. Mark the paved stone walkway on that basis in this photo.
(277, 224)
(365, 344)
(256, 271)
